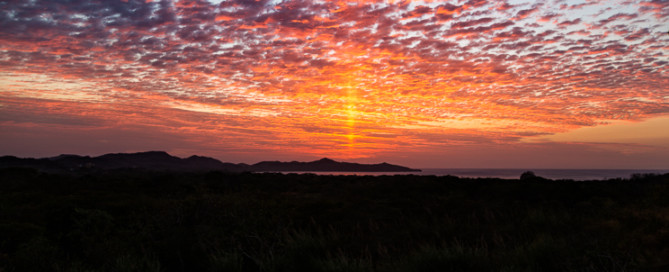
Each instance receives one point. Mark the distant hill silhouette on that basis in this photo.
(151, 160)
(327, 165)
(160, 160)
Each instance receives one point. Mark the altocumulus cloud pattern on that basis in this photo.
(349, 78)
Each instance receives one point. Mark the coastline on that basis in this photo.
(501, 173)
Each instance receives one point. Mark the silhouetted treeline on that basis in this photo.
(135, 220)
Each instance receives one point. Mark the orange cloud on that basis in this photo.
(351, 79)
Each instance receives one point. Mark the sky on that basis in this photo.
(431, 84)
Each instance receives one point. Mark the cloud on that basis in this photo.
(332, 72)
(659, 8)
(650, 133)
(618, 17)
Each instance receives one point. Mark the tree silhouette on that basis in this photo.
(528, 175)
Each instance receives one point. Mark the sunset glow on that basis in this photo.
(420, 83)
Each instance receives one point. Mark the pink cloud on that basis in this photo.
(333, 72)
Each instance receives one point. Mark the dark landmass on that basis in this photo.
(152, 160)
(159, 160)
(327, 165)
(146, 220)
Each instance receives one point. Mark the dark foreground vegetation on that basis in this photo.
(158, 221)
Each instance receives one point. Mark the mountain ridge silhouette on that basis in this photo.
(161, 160)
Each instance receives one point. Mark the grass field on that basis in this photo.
(134, 220)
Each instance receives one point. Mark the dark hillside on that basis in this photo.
(151, 160)
(327, 165)
(216, 221)
(162, 161)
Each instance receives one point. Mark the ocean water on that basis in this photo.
(556, 174)
(575, 174)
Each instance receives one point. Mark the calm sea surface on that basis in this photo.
(575, 174)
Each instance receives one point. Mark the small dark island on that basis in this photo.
(327, 165)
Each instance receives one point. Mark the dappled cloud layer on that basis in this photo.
(342, 78)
